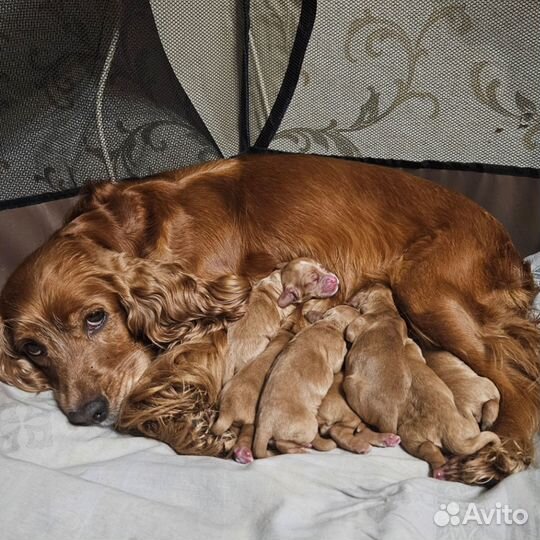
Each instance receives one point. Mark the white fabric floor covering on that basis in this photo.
(59, 481)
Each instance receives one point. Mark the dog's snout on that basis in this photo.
(92, 412)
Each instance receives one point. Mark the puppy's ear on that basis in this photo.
(287, 297)
(166, 305)
(17, 371)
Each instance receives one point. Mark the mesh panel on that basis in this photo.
(273, 28)
(204, 47)
(87, 92)
(55, 87)
(424, 80)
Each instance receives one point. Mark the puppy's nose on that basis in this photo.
(330, 284)
(93, 412)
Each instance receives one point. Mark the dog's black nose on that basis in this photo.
(93, 412)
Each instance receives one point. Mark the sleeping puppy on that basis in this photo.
(339, 422)
(303, 279)
(431, 421)
(272, 300)
(239, 397)
(377, 374)
(475, 397)
(425, 413)
(300, 379)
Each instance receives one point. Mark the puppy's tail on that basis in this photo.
(465, 447)
(223, 423)
(260, 444)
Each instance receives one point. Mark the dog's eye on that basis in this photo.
(314, 277)
(34, 350)
(95, 321)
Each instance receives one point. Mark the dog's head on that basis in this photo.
(86, 322)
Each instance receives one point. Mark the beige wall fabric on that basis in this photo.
(439, 80)
(22, 230)
(273, 29)
(203, 44)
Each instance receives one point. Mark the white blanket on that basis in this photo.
(61, 482)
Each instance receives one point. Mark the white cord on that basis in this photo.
(99, 100)
(260, 77)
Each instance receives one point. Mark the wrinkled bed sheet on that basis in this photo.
(59, 481)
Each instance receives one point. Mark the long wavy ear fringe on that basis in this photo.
(165, 305)
(17, 371)
(176, 399)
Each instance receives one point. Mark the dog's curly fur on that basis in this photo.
(454, 273)
(175, 401)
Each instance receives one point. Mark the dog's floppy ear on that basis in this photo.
(17, 371)
(166, 305)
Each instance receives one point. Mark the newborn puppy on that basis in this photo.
(377, 374)
(250, 336)
(239, 396)
(303, 279)
(271, 301)
(430, 420)
(475, 397)
(339, 422)
(299, 381)
(425, 414)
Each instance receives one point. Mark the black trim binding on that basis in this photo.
(509, 170)
(39, 199)
(292, 74)
(449, 165)
(245, 140)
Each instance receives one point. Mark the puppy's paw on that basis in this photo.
(359, 445)
(390, 440)
(243, 454)
(439, 473)
(289, 447)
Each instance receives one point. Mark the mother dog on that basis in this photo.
(72, 311)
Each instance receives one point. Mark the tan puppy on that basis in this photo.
(240, 395)
(299, 381)
(251, 334)
(430, 420)
(425, 413)
(271, 300)
(377, 374)
(475, 397)
(339, 422)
